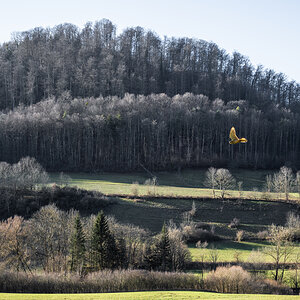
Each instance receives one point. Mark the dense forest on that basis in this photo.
(155, 131)
(91, 100)
(95, 61)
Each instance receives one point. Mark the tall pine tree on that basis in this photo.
(104, 249)
(77, 247)
(163, 250)
(158, 256)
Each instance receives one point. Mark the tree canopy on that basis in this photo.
(157, 131)
(94, 61)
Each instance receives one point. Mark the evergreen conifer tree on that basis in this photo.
(158, 256)
(163, 250)
(104, 249)
(78, 247)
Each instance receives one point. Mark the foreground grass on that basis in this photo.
(188, 183)
(142, 295)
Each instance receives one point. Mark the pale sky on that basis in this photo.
(266, 31)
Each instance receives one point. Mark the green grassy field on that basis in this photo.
(187, 183)
(143, 296)
(228, 251)
(150, 213)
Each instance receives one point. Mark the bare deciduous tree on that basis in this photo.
(13, 244)
(179, 251)
(281, 249)
(283, 181)
(298, 183)
(211, 179)
(27, 173)
(224, 181)
(50, 237)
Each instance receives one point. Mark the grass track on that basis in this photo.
(144, 296)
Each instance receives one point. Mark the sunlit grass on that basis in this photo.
(170, 184)
(143, 296)
(227, 251)
(230, 251)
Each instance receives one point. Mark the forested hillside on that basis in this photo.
(91, 100)
(157, 131)
(94, 61)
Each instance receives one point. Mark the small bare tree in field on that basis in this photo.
(211, 179)
(257, 261)
(293, 225)
(135, 188)
(224, 181)
(240, 186)
(283, 181)
(239, 235)
(193, 209)
(151, 184)
(203, 253)
(219, 179)
(281, 249)
(298, 183)
(213, 255)
(269, 183)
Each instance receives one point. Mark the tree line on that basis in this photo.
(284, 182)
(155, 131)
(98, 249)
(59, 241)
(94, 61)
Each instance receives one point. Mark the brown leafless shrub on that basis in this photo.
(229, 280)
(201, 245)
(293, 225)
(262, 235)
(270, 286)
(236, 280)
(193, 234)
(151, 184)
(99, 282)
(239, 235)
(135, 188)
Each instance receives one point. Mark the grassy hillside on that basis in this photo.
(187, 183)
(142, 296)
(151, 213)
(228, 250)
(152, 210)
(231, 251)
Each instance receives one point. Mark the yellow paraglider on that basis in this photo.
(234, 139)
